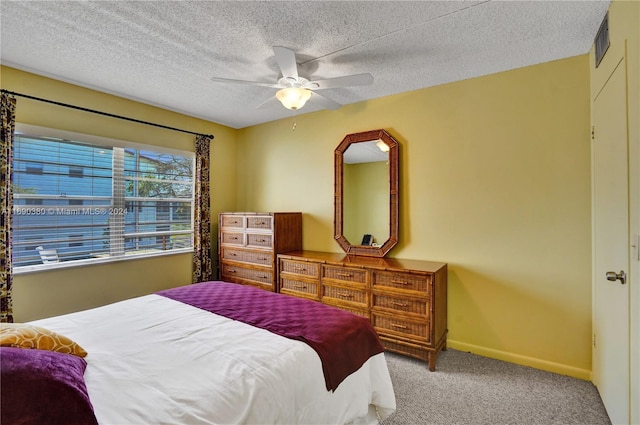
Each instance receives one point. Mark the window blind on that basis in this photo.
(82, 201)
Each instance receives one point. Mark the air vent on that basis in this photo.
(602, 39)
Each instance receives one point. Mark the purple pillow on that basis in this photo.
(39, 387)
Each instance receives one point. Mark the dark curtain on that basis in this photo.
(8, 113)
(202, 265)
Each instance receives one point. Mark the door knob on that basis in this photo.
(613, 276)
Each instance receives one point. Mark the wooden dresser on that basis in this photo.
(249, 242)
(406, 300)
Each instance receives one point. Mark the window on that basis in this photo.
(33, 168)
(75, 171)
(75, 240)
(91, 201)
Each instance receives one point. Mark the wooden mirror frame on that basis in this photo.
(338, 219)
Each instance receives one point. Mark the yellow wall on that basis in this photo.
(48, 293)
(494, 180)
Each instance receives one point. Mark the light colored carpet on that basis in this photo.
(472, 390)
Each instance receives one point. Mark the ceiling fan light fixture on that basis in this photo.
(293, 97)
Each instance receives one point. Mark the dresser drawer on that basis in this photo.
(350, 295)
(259, 222)
(301, 268)
(263, 258)
(400, 326)
(232, 254)
(229, 220)
(232, 238)
(257, 257)
(406, 305)
(397, 280)
(260, 240)
(232, 272)
(346, 307)
(299, 288)
(344, 274)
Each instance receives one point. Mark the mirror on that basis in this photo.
(366, 193)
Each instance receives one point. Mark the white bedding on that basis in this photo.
(153, 360)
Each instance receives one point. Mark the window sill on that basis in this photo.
(95, 261)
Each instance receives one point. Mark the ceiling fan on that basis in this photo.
(295, 90)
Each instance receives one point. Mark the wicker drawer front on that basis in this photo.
(260, 222)
(299, 268)
(344, 274)
(344, 294)
(232, 238)
(401, 326)
(356, 311)
(296, 286)
(233, 254)
(262, 276)
(404, 348)
(260, 240)
(262, 258)
(407, 305)
(401, 281)
(254, 257)
(232, 221)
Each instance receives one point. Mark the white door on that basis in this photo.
(611, 354)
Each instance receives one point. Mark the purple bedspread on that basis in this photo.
(343, 340)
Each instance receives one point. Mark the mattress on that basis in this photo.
(156, 360)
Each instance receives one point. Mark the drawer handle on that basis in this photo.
(299, 268)
(344, 274)
(235, 238)
(262, 258)
(399, 304)
(400, 282)
(345, 294)
(300, 286)
(231, 271)
(261, 240)
(233, 254)
(395, 325)
(264, 276)
(260, 223)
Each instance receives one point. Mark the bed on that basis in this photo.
(219, 353)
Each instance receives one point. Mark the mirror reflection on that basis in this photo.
(366, 193)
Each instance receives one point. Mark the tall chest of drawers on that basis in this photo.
(406, 300)
(249, 242)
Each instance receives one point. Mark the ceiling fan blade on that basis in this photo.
(270, 102)
(346, 81)
(324, 101)
(251, 83)
(286, 60)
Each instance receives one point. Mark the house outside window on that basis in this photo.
(95, 202)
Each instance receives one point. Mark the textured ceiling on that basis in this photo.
(165, 53)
